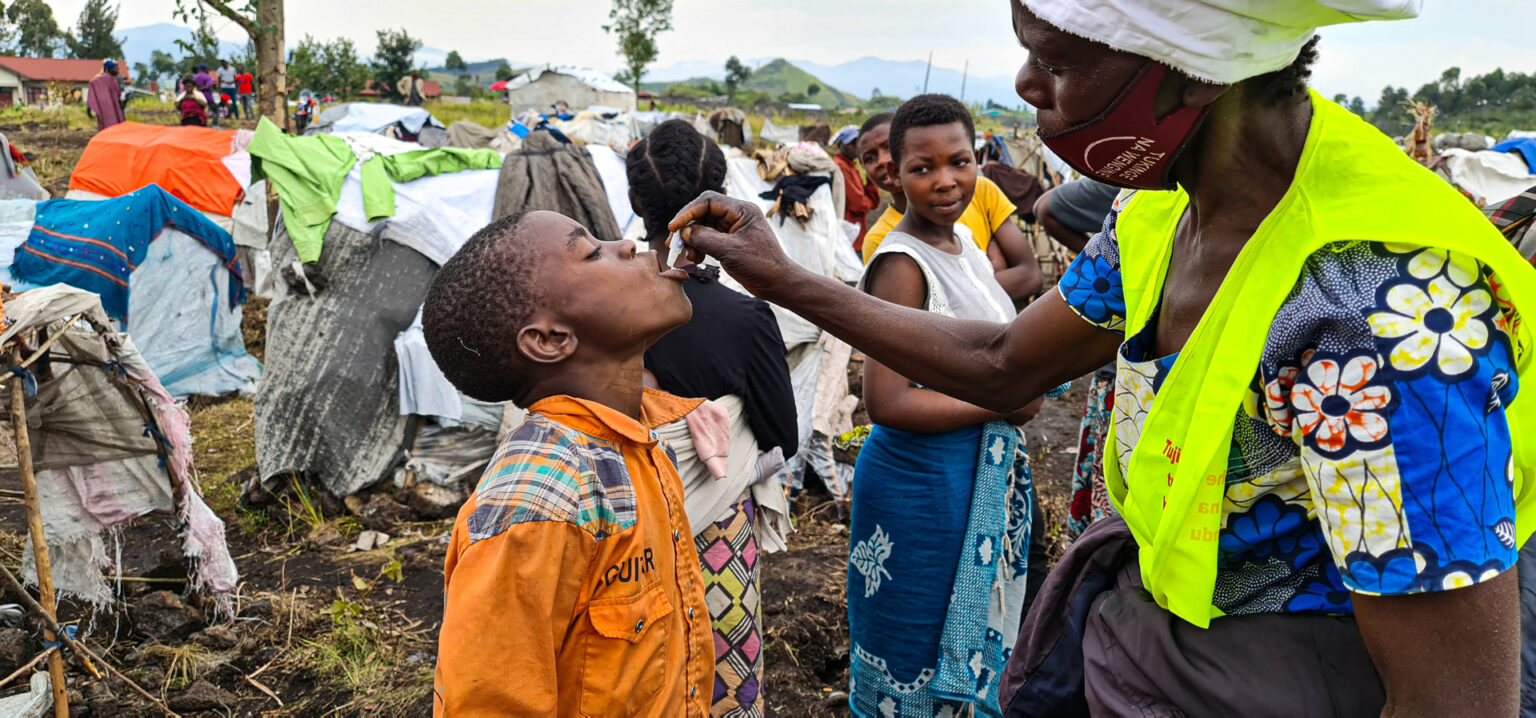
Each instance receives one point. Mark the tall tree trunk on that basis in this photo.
(271, 68)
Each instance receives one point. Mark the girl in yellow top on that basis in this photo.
(988, 216)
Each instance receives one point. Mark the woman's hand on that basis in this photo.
(735, 233)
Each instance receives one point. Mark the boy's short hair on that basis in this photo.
(876, 120)
(927, 111)
(476, 305)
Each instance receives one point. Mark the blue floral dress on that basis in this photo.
(1372, 453)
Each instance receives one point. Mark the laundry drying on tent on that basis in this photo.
(17, 180)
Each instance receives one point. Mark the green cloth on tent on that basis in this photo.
(308, 173)
(379, 194)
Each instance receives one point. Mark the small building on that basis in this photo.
(430, 90)
(26, 80)
(578, 87)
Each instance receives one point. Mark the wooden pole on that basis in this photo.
(39, 540)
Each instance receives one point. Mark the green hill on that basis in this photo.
(780, 78)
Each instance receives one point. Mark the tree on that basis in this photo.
(329, 68)
(161, 64)
(637, 23)
(735, 74)
(393, 59)
(37, 32)
(141, 73)
(503, 72)
(874, 93)
(465, 86)
(1341, 99)
(1357, 106)
(813, 90)
(92, 38)
(262, 21)
(455, 63)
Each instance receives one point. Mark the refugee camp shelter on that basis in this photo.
(198, 165)
(578, 87)
(372, 117)
(25, 80)
(109, 445)
(163, 270)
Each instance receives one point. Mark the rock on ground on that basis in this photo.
(162, 616)
(431, 501)
(201, 696)
(217, 638)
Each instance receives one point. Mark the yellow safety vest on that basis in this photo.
(1353, 184)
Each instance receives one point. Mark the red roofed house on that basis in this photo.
(26, 79)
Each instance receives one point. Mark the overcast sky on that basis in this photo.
(1476, 35)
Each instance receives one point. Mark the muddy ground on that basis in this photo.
(320, 630)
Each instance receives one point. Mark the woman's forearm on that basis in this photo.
(999, 367)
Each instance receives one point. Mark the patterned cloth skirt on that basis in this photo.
(728, 557)
(1090, 500)
(913, 498)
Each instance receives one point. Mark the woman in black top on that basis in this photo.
(731, 353)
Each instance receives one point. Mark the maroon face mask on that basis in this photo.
(1126, 145)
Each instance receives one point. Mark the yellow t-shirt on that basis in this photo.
(989, 209)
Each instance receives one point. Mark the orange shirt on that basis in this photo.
(572, 587)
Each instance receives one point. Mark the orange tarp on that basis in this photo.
(185, 161)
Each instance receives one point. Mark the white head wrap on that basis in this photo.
(1222, 41)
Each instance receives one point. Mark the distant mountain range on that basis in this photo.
(863, 76)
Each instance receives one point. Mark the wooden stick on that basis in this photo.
(14, 584)
(39, 539)
(6, 680)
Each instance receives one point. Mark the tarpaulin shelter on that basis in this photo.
(169, 271)
(192, 163)
(108, 445)
(372, 117)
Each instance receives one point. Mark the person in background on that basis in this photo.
(939, 546)
(104, 97)
(988, 217)
(571, 585)
(1071, 213)
(862, 195)
(732, 354)
(412, 89)
(192, 104)
(205, 85)
(245, 86)
(1074, 211)
(228, 86)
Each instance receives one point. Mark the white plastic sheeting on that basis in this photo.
(1488, 176)
(611, 169)
(596, 80)
(373, 117)
(433, 215)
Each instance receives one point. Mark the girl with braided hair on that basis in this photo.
(729, 451)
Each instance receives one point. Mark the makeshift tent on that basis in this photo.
(612, 170)
(108, 443)
(371, 117)
(177, 285)
(595, 129)
(197, 165)
(549, 175)
(475, 136)
(731, 127)
(327, 410)
(17, 180)
(1486, 177)
(779, 134)
(542, 87)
